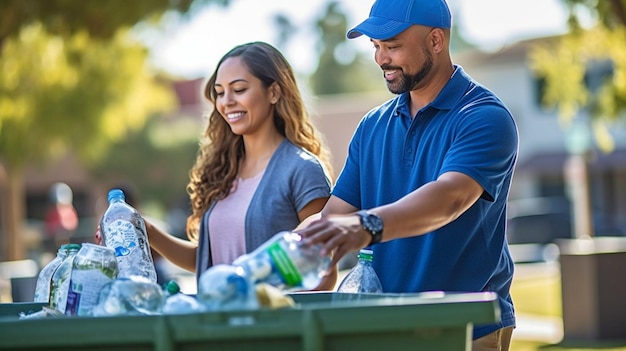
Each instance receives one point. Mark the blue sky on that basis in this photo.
(191, 50)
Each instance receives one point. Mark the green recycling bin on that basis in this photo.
(322, 321)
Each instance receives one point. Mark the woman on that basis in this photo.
(261, 167)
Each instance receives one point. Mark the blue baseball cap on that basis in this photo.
(389, 18)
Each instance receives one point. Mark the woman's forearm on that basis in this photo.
(176, 250)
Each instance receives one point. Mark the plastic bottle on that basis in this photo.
(178, 303)
(92, 268)
(226, 287)
(129, 296)
(60, 281)
(286, 264)
(362, 278)
(124, 230)
(42, 288)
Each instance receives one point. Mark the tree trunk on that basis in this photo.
(13, 209)
(577, 176)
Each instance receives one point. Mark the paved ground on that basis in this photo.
(533, 327)
(538, 328)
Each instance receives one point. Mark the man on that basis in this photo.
(428, 172)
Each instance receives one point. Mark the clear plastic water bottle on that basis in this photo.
(124, 230)
(225, 288)
(285, 263)
(362, 278)
(178, 303)
(44, 279)
(60, 281)
(128, 297)
(92, 268)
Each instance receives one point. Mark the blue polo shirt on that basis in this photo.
(465, 129)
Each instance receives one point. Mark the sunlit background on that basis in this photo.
(95, 95)
(192, 49)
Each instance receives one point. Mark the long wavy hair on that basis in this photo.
(220, 152)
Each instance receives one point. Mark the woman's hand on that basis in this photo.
(97, 237)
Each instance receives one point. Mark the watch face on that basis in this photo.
(373, 223)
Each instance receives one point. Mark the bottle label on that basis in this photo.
(120, 235)
(285, 267)
(84, 290)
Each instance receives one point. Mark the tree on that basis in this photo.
(59, 95)
(586, 69)
(340, 69)
(71, 80)
(101, 19)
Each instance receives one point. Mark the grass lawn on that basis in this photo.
(539, 293)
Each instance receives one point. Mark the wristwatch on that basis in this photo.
(373, 224)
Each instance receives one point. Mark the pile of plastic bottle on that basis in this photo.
(118, 278)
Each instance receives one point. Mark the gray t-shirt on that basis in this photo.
(293, 178)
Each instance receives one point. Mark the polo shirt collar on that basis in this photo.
(448, 97)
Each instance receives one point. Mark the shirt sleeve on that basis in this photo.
(484, 148)
(348, 185)
(310, 182)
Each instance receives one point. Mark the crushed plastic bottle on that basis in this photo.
(129, 296)
(226, 287)
(124, 230)
(178, 303)
(44, 279)
(286, 264)
(362, 279)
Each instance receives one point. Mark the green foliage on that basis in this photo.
(569, 65)
(101, 19)
(71, 79)
(609, 13)
(564, 66)
(75, 94)
(340, 68)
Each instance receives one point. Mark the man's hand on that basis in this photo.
(339, 234)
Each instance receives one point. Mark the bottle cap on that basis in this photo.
(115, 193)
(71, 247)
(366, 254)
(172, 287)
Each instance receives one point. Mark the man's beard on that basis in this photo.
(409, 82)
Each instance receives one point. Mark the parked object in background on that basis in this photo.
(362, 278)
(284, 263)
(18, 280)
(124, 230)
(539, 220)
(44, 279)
(61, 218)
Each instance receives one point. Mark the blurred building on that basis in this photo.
(540, 196)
